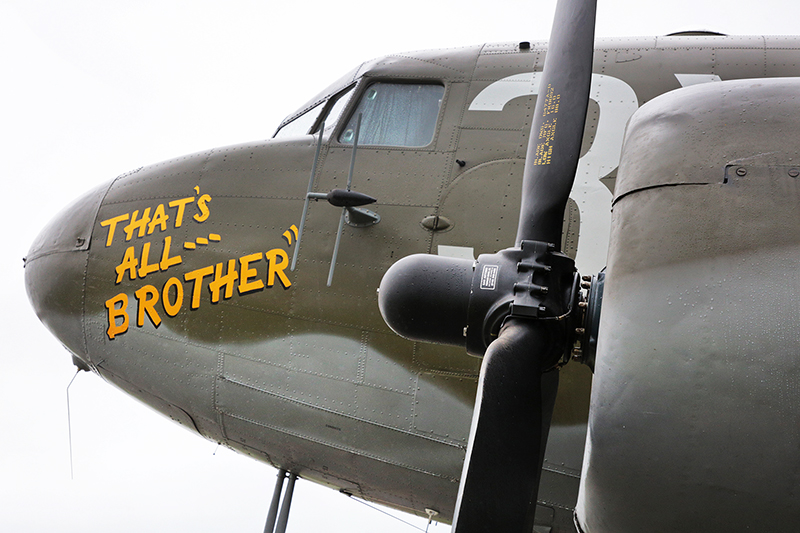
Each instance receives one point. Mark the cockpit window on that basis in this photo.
(396, 114)
(309, 122)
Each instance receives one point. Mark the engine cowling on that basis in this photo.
(695, 412)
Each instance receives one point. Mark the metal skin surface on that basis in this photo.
(697, 374)
(279, 366)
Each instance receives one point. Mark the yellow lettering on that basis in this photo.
(201, 205)
(128, 264)
(277, 267)
(137, 223)
(166, 260)
(112, 225)
(246, 274)
(172, 307)
(181, 205)
(197, 276)
(160, 218)
(145, 267)
(228, 281)
(114, 313)
(147, 297)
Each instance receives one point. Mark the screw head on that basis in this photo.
(793, 172)
(741, 171)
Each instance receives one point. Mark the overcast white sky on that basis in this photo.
(91, 89)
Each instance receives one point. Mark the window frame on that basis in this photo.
(300, 115)
(330, 104)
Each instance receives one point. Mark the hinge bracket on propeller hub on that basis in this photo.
(533, 282)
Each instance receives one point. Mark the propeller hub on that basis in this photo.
(464, 303)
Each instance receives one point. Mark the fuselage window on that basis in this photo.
(396, 114)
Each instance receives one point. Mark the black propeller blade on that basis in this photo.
(557, 131)
(520, 310)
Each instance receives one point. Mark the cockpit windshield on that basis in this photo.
(327, 104)
(302, 124)
(309, 122)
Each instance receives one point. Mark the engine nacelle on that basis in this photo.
(695, 411)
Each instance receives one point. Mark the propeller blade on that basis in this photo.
(514, 307)
(501, 475)
(498, 488)
(557, 130)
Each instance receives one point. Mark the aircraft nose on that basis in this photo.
(55, 270)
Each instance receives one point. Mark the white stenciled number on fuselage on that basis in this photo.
(617, 102)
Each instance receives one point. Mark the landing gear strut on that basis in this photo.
(283, 519)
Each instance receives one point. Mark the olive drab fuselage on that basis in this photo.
(174, 281)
